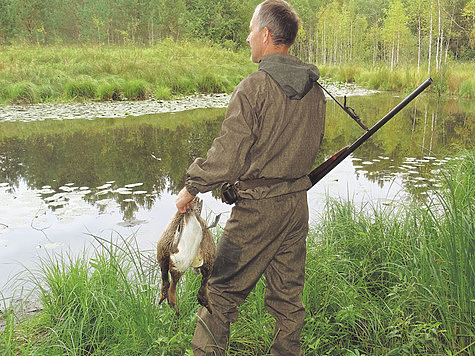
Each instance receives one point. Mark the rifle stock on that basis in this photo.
(322, 170)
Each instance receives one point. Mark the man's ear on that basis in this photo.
(267, 36)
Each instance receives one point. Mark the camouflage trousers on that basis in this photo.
(267, 237)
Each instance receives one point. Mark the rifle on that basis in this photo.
(322, 170)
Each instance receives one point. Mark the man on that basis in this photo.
(268, 143)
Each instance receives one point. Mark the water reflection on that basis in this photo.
(414, 145)
(129, 162)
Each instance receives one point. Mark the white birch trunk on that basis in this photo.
(437, 52)
(397, 49)
(430, 39)
(316, 46)
(419, 46)
(324, 46)
(392, 55)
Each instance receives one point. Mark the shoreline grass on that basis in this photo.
(380, 280)
(456, 79)
(36, 74)
(32, 74)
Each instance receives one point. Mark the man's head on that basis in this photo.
(273, 28)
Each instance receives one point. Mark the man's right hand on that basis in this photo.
(184, 200)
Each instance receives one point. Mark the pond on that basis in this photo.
(68, 172)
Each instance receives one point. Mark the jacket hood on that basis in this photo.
(293, 76)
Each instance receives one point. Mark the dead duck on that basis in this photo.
(186, 242)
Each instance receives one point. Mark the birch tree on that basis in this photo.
(395, 31)
(417, 20)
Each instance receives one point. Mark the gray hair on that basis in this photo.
(281, 20)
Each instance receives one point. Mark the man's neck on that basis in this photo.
(276, 49)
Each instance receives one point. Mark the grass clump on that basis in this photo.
(111, 88)
(136, 89)
(467, 88)
(102, 304)
(162, 93)
(84, 87)
(23, 93)
(453, 79)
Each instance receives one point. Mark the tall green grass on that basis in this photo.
(396, 280)
(456, 79)
(30, 74)
(380, 280)
(102, 303)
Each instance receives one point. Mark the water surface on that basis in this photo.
(62, 181)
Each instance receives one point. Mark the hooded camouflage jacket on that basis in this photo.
(273, 128)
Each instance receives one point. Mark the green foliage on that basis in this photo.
(211, 82)
(111, 88)
(393, 280)
(447, 81)
(350, 31)
(105, 302)
(162, 93)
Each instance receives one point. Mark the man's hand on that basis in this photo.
(184, 200)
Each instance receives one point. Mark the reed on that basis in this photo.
(380, 280)
(83, 87)
(104, 302)
(467, 88)
(24, 92)
(69, 73)
(453, 79)
(392, 280)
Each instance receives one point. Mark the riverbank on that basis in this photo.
(381, 279)
(45, 74)
(33, 74)
(456, 79)
(125, 108)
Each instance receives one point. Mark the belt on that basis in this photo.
(229, 192)
(261, 182)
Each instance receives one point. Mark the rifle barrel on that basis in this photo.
(317, 174)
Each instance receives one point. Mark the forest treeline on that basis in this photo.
(392, 32)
